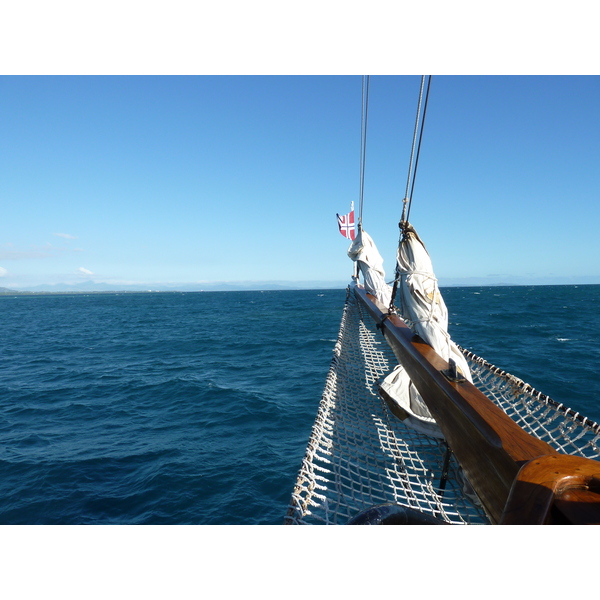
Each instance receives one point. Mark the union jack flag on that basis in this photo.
(346, 224)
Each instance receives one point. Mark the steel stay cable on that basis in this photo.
(412, 174)
(363, 143)
(412, 150)
(414, 178)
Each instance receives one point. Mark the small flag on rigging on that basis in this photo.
(346, 224)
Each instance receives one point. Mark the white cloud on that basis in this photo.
(67, 236)
(85, 271)
(3, 272)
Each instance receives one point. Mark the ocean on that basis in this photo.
(195, 408)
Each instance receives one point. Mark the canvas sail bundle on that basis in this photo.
(370, 264)
(421, 303)
(423, 309)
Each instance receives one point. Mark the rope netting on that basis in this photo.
(562, 428)
(360, 455)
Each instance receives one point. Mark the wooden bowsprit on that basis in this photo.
(519, 478)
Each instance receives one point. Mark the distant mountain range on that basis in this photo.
(92, 286)
(510, 280)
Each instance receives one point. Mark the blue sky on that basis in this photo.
(194, 179)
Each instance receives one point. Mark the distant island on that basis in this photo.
(9, 292)
(103, 288)
(91, 287)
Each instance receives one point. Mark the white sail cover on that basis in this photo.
(421, 302)
(423, 307)
(364, 252)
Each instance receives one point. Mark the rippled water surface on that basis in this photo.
(196, 407)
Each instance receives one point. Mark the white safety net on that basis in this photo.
(559, 426)
(359, 454)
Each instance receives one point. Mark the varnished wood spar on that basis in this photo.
(568, 484)
(489, 445)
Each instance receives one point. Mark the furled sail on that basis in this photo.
(424, 310)
(421, 303)
(364, 252)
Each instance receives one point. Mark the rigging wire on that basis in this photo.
(412, 170)
(412, 150)
(363, 144)
(410, 183)
(414, 178)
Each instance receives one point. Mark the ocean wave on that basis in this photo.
(196, 408)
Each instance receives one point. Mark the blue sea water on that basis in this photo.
(195, 408)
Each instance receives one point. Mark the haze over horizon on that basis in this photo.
(91, 286)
